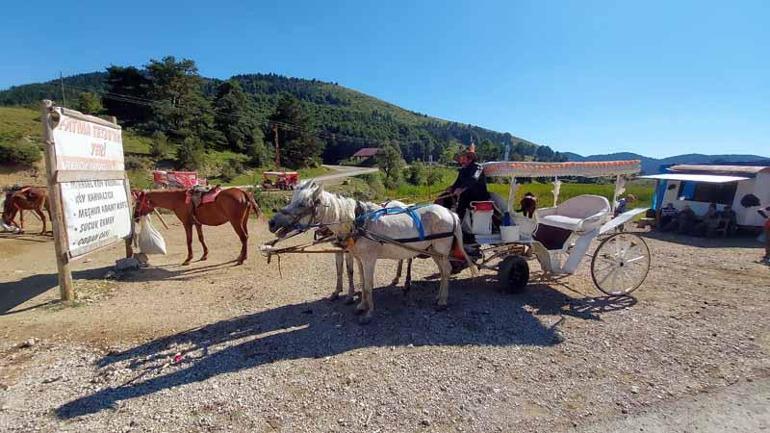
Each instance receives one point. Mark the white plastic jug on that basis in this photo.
(482, 222)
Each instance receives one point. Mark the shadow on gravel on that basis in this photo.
(15, 293)
(478, 315)
(740, 240)
(548, 301)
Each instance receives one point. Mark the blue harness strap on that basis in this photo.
(374, 215)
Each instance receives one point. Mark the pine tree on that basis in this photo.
(180, 108)
(235, 116)
(298, 146)
(89, 103)
(124, 86)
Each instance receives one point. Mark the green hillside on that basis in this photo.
(22, 124)
(343, 119)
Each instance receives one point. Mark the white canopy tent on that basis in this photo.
(745, 188)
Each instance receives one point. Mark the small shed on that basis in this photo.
(745, 187)
(365, 153)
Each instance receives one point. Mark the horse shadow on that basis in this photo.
(315, 329)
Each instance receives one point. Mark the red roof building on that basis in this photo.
(366, 152)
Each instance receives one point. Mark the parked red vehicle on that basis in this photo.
(176, 179)
(283, 180)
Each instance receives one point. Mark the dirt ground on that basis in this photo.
(213, 347)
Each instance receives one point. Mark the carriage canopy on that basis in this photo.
(561, 169)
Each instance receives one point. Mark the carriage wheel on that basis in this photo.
(513, 273)
(620, 264)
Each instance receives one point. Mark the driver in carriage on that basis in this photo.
(470, 185)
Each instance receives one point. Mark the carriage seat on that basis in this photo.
(581, 213)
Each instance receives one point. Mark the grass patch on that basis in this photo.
(642, 189)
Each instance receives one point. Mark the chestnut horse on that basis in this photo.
(27, 198)
(231, 205)
(528, 205)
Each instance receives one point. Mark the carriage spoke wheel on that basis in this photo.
(620, 264)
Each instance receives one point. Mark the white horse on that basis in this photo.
(346, 259)
(310, 204)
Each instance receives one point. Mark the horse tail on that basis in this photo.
(253, 203)
(458, 235)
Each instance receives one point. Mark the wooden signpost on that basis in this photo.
(89, 191)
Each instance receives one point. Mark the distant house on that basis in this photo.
(365, 153)
(744, 187)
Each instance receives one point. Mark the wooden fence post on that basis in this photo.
(66, 289)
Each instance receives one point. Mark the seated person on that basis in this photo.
(685, 219)
(730, 218)
(708, 223)
(470, 185)
(667, 218)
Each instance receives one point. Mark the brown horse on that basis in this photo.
(230, 204)
(528, 205)
(27, 198)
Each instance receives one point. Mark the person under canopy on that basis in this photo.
(470, 185)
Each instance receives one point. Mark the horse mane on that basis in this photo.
(336, 208)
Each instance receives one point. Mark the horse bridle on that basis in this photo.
(296, 217)
(145, 207)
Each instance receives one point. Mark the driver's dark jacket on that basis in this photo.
(474, 181)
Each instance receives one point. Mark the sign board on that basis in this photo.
(96, 213)
(82, 144)
(87, 187)
(95, 210)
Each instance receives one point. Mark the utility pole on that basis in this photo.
(61, 84)
(277, 150)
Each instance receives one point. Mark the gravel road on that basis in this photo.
(212, 347)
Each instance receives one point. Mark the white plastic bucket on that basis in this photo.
(509, 233)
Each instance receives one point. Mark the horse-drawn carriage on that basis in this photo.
(280, 180)
(559, 237)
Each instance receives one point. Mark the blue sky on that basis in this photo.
(657, 77)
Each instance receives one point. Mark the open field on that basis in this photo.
(642, 189)
(263, 350)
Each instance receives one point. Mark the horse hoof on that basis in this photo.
(394, 282)
(185, 263)
(334, 296)
(203, 259)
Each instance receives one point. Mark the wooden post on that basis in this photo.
(130, 238)
(277, 150)
(66, 289)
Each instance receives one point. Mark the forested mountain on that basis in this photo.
(236, 114)
(657, 165)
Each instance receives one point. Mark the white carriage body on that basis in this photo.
(585, 216)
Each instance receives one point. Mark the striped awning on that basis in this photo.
(562, 169)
